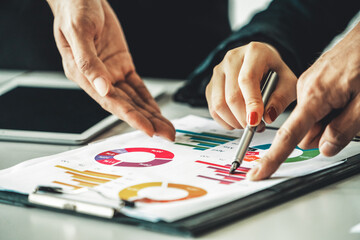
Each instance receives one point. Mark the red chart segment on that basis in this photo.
(221, 173)
(161, 156)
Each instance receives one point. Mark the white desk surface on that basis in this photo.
(328, 213)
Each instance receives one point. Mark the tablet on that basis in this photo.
(53, 111)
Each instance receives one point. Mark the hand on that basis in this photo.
(233, 93)
(95, 55)
(327, 114)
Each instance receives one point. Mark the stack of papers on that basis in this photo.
(167, 180)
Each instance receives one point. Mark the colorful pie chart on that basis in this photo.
(297, 155)
(154, 192)
(113, 157)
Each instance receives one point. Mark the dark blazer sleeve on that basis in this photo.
(298, 29)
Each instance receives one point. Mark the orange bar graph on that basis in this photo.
(91, 173)
(66, 184)
(87, 178)
(85, 184)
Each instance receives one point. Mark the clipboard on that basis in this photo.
(209, 220)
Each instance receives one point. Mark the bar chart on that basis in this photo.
(221, 173)
(85, 178)
(201, 140)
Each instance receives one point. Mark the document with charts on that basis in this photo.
(166, 180)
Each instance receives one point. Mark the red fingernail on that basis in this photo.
(272, 113)
(252, 118)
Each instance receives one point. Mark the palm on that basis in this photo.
(97, 48)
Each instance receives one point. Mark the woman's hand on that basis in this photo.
(233, 94)
(95, 55)
(328, 111)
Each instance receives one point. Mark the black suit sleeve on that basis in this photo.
(298, 29)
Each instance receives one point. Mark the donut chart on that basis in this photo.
(109, 157)
(132, 192)
(306, 154)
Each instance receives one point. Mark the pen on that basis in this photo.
(269, 85)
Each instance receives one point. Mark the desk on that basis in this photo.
(328, 213)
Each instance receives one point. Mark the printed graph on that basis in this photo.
(135, 157)
(202, 140)
(221, 173)
(85, 178)
(159, 192)
(298, 155)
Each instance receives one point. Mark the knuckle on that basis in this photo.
(217, 69)
(83, 64)
(253, 102)
(230, 56)
(254, 46)
(284, 135)
(337, 135)
(246, 78)
(218, 104)
(232, 98)
(83, 23)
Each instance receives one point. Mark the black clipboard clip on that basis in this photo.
(50, 196)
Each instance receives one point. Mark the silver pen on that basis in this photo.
(268, 86)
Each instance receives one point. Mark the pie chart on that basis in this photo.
(135, 157)
(298, 155)
(156, 192)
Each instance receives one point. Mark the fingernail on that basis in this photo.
(251, 175)
(329, 149)
(252, 118)
(101, 86)
(272, 113)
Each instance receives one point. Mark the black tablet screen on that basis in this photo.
(49, 110)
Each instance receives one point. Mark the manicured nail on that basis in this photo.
(101, 86)
(329, 149)
(251, 175)
(272, 113)
(252, 118)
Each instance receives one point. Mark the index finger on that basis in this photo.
(287, 137)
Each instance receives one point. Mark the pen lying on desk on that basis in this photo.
(269, 85)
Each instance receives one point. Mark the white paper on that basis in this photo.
(355, 229)
(168, 180)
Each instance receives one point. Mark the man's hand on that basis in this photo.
(95, 56)
(233, 94)
(328, 111)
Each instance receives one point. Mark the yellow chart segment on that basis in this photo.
(86, 178)
(91, 173)
(132, 192)
(66, 184)
(85, 184)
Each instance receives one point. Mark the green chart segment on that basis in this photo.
(306, 153)
(203, 140)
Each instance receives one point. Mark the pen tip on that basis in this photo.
(234, 166)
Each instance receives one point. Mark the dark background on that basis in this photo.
(166, 38)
